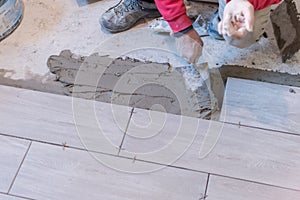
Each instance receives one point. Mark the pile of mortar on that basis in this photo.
(134, 83)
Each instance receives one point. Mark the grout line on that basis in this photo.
(61, 145)
(125, 132)
(84, 149)
(260, 128)
(206, 188)
(152, 162)
(211, 174)
(17, 196)
(13, 181)
(44, 142)
(215, 174)
(255, 182)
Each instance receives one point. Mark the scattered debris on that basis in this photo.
(160, 25)
(134, 159)
(64, 145)
(292, 91)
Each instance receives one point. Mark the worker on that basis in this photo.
(239, 22)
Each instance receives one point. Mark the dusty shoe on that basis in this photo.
(213, 27)
(126, 14)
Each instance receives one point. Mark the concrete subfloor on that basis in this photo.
(50, 26)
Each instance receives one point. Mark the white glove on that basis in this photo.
(189, 46)
(238, 19)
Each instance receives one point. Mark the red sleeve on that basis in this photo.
(174, 13)
(261, 4)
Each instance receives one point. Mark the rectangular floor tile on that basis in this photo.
(12, 152)
(150, 131)
(220, 188)
(160, 137)
(51, 172)
(263, 105)
(58, 119)
(229, 150)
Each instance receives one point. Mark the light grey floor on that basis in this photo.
(54, 152)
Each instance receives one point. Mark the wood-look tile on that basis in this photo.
(51, 172)
(12, 152)
(229, 150)
(263, 105)
(62, 120)
(220, 188)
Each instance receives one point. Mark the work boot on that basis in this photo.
(126, 14)
(213, 27)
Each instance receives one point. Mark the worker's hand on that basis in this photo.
(189, 46)
(238, 19)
